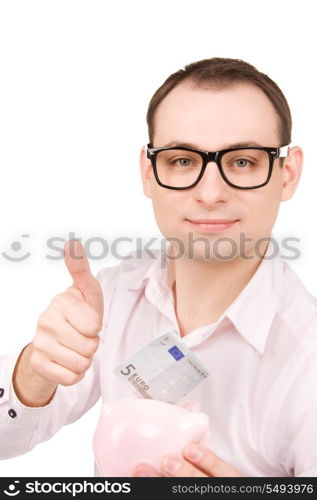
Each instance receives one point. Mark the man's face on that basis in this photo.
(212, 120)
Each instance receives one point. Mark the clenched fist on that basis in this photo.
(67, 331)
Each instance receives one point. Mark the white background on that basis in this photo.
(76, 78)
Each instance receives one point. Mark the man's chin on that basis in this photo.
(206, 251)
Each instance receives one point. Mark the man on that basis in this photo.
(242, 310)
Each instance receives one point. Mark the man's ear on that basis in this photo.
(146, 172)
(291, 171)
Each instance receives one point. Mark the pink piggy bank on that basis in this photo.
(134, 430)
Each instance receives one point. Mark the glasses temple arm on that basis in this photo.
(283, 151)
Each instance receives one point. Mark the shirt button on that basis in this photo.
(1, 392)
(12, 413)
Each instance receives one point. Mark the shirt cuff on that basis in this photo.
(12, 410)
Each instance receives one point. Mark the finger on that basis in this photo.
(175, 466)
(78, 267)
(145, 470)
(53, 372)
(82, 316)
(207, 461)
(61, 355)
(68, 336)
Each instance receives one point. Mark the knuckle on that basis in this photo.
(58, 300)
(90, 346)
(37, 343)
(94, 325)
(83, 364)
(93, 346)
(61, 300)
(44, 320)
(91, 328)
(71, 378)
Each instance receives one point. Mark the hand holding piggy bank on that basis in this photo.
(133, 430)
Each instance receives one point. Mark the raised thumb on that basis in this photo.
(78, 267)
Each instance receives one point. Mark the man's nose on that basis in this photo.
(212, 188)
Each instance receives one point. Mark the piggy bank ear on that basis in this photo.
(192, 405)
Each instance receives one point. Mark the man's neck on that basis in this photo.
(204, 290)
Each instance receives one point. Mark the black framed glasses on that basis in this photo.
(242, 168)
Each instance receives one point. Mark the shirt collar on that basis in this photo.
(156, 272)
(251, 313)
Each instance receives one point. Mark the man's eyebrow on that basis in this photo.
(196, 146)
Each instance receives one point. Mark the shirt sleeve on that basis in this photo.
(297, 429)
(22, 427)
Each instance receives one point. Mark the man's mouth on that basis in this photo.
(212, 225)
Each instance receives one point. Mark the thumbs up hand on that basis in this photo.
(67, 331)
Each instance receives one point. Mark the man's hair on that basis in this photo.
(219, 73)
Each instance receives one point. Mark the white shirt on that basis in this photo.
(260, 396)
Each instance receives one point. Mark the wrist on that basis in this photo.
(31, 388)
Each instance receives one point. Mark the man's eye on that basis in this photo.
(183, 162)
(241, 162)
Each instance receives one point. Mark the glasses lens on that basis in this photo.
(178, 168)
(246, 167)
